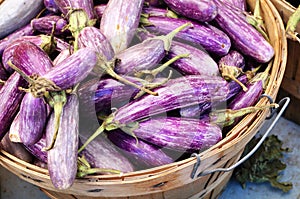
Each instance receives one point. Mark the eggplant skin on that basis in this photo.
(120, 21)
(142, 153)
(62, 158)
(180, 134)
(101, 153)
(204, 10)
(11, 97)
(245, 38)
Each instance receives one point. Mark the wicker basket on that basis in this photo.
(291, 81)
(174, 180)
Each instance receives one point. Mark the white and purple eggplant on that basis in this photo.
(140, 152)
(245, 38)
(102, 155)
(11, 97)
(62, 158)
(238, 4)
(120, 21)
(179, 134)
(175, 94)
(147, 54)
(204, 10)
(47, 23)
(51, 6)
(203, 35)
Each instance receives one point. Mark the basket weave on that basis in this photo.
(173, 180)
(291, 81)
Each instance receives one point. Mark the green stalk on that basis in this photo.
(292, 24)
(231, 72)
(57, 100)
(227, 117)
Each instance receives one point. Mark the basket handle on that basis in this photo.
(283, 103)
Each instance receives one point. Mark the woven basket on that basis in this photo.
(291, 81)
(174, 180)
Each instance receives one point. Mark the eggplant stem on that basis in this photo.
(26, 77)
(245, 89)
(292, 24)
(89, 171)
(159, 69)
(92, 137)
(2, 81)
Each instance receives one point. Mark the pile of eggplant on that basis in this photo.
(109, 87)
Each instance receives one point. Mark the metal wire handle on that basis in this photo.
(283, 103)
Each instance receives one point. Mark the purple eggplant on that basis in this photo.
(198, 110)
(3, 75)
(32, 119)
(204, 10)
(145, 55)
(11, 97)
(102, 154)
(204, 35)
(155, 3)
(45, 25)
(99, 10)
(51, 6)
(244, 36)
(180, 134)
(42, 41)
(61, 56)
(161, 12)
(139, 151)
(62, 158)
(93, 38)
(176, 93)
(24, 31)
(238, 4)
(37, 149)
(120, 21)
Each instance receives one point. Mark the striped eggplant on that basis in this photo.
(198, 110)
(37, 149)
(3, 75)
(46, 23)
(62, 158)
(23, 31)
(120, 21)
(16, 149)
(175, 94)
(93, 38)
(101, 153)
(99, 10)
(32, 119)
(140, 152)
(238, 4)
(11, 97)
(66, 6)
(246, 39)
(179, 134)
(61, 56)
(145, 55)
(42, 41)
(51, 6)
(204, 35)
(204, 10)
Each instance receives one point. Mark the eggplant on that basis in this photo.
(61, 56)
(145, 55)
(142, 153)
(93, 38)
(43, 41)
(203, 35)
(237, 4)
(179, 134)
(37, 149)
(62, 158)
(155, 3)
(120, 21)
(198, 110)
(45, 25)
(11, 97)
(99, 10)
(16, 149)
(3, 75)
(12, 20)
(155, 11)
(32, 119)
(51, 6)
(176, 93)
(23, 31)
(102, 154)
(204, 10)
(245, 38)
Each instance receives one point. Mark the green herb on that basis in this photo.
(265, 164)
